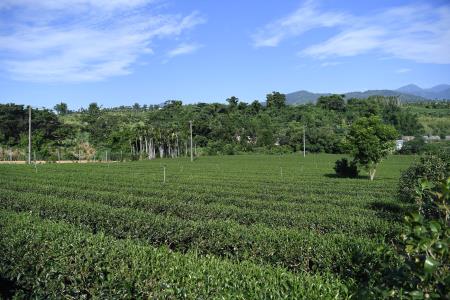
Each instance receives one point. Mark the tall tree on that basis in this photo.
(13, 122)
(370, 141)
(61, 109)
(255, 107)
(232, 102)
(276, 100)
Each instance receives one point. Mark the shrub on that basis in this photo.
(345, 169)
(431, 167)
(214, 148)
(415, 146)
(228, 149)
(425, 248)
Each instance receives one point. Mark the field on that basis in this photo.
(229, 227)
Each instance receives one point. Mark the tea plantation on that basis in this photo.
(240, 227)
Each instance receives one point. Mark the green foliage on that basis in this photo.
(245, 126)
(296, 250)
(229, 149)
(61, 108)
(344, 168)
(238, 208)
(276, 100)
(55, 260)
(357, 108)
(370, 141)
(415, 146)
(333, 102)
(406, 123)
(431, 167)
(233, 102)
(436, 125)
(425, 273)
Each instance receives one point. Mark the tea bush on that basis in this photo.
(281, 214)
(51, 260)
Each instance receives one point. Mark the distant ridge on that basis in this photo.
(441, 91)
(407, 93)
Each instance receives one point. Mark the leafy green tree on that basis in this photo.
(276, 100)
(232, 102)
(264, 130)
(332, 102)
(93, 108)
(357, 108)
(415, 146)
(136, 106)
(255, 107)
(173, 104)
(13, 122)
(370, 140)
(242, 106)
(61, 109)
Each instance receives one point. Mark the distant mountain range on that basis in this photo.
(407, 93)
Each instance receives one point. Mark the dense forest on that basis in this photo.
(138, 132)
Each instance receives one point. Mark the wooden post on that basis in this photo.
(164, 174)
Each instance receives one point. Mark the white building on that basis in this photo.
(399, 144)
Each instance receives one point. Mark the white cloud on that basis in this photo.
(82, 40)
(183, 49)
(330, 63)
(419, 33)
(305, 18)
(403, 70)
(73, 4)
(347, 43)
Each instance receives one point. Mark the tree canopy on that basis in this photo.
(231, 127)
(369, 141)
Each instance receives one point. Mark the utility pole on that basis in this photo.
(304, 144)
(192, 153)
(29, 134)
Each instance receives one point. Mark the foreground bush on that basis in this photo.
(54, 260)
(431, 167)
(344, 168)
(426, 250)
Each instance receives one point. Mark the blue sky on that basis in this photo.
(118, 52)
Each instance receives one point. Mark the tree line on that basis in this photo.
(218, 128)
